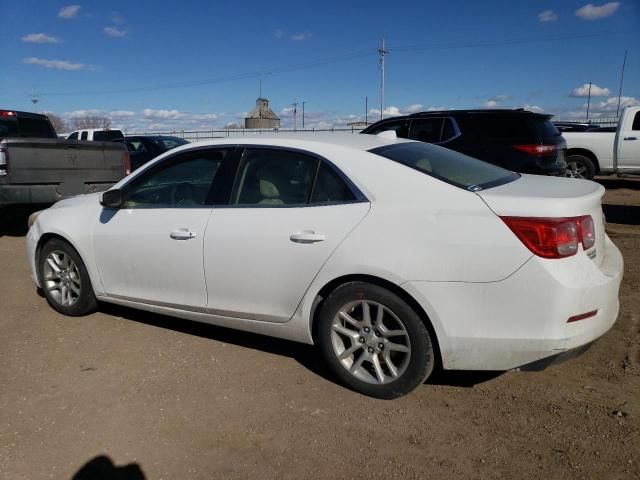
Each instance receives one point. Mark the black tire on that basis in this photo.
(416, 367)
(81, 302)
(579, 166)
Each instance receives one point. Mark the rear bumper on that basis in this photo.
(44, 194)
(523, 319)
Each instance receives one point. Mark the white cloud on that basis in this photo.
(437, 108)
(301, 36)
(547, 16)
(595, 12)
(163, 114)
(500, 98)
(611, 104)
(596, 91)
(114, 32)
(56, 64)
(121, 113)
(39, 38)
(69, 12)
(416, 107)
(490, 104)
(279, 33)
(533, 108)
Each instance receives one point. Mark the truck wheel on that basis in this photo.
(579, 166)
(65, 280)
(373, 341)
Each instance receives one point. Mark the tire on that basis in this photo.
(350, 344)
(579, 166)
(65, 281)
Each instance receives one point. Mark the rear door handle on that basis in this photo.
(630, 138)
(182, 234)
(308, 236)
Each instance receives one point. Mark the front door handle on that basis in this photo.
(308, 236)
(630, 138)
(182, 234)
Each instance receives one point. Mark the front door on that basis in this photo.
(151, 249)
(288, 213)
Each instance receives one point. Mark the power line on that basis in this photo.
(328, 61)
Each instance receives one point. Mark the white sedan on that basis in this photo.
(393, 256)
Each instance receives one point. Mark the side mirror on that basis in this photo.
(111, 198)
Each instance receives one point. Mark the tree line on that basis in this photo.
(60, 125)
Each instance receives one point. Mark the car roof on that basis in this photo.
(305, 140)
(486, 111)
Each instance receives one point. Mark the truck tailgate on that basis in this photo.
(51, 161)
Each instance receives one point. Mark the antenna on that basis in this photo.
(621, 78)
(382, 53)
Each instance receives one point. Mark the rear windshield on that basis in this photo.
(446, 165)
(8, 127)
(546, 129)
(167, 143)
(107, 136)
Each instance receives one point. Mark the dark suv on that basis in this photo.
(517, 140)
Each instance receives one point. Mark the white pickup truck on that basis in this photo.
(595, 153)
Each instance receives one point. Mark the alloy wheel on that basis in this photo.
(370, 342)
(62, 278)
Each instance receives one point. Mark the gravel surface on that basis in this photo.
(127, 394)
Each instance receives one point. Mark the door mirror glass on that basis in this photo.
(111, 199)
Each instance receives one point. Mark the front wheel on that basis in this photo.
(65, 280)
(373, 341)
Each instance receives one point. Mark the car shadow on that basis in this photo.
(306, 355)
(103, 468)
(624, 214)
(615, 182)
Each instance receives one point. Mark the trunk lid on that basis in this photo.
(551, 197)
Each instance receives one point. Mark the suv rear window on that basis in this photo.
(107, 136)
(546, 129)
(446, 165)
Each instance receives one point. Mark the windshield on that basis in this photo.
(446, 165)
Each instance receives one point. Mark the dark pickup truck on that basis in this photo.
(38, 167)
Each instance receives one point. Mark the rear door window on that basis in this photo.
(107, 136)
(401, 127)
(272, 177)
(84, 135)
(426, 129)
(330, 188)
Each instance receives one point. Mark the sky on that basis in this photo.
(162, 66)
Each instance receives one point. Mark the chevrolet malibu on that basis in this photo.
(392, 256)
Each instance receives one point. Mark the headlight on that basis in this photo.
(32, 218)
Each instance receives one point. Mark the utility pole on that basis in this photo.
(621, 78)
(588, 101)
(295, 113)
(366, 110)
(382, 53)
(303, 114)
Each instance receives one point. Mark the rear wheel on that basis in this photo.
(373, 341)
(579, 166)
(65, 280)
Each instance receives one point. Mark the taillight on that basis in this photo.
(553, 237)
(535, 150)
(587, 231)
(7, 113)
(126, 160)
(4, 162)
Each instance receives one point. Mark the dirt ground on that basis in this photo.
(161, 398)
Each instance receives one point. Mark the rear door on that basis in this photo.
(288, 212)
(629, 145)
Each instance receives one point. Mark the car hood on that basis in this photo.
(78, 200)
